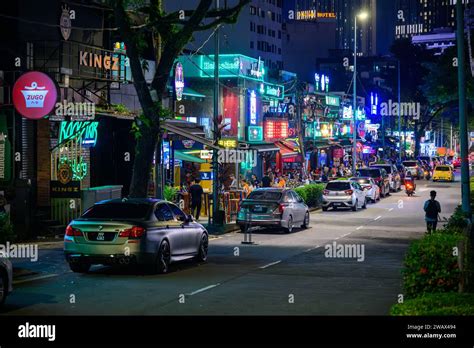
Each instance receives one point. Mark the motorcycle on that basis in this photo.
(427, 174)
(409, 187)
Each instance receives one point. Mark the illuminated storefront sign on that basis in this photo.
(374, 103)
(86, 130)
(78, 165)
(34, 95)
(228, 143)
(321, 82)
(275, 129)
(178, 81)
(230, 65)
(333, 101)
(347, 113)
(313, 14)
(272, 91)
(205, 154)
(255, 133)
(253, 108)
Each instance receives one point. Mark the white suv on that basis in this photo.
(344, 194)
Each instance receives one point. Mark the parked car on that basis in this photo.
(443, 173)
(6, 279)
(370, 186)
(344, 194)
(393, 175)
(273, 207)
(414, 168)
(148, 232)
(379, 175)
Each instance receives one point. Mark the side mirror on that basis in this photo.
(189, 218)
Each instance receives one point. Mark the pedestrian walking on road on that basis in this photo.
(432, 209)
(196, 192)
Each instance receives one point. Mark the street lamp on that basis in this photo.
(362, 16)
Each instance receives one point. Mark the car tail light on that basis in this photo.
(73, 232)
(281, 208)
(134, 232)
(349, 192)
(325, 192)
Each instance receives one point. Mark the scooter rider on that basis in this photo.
(409, 179)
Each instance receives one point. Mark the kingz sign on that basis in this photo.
(99, 61)
(238, 156)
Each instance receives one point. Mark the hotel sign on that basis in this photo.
(313, 14)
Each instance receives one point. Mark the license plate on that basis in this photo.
(337, 204)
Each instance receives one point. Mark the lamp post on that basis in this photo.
(362, 16)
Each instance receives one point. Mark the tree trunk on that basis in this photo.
(144, 151)
(417, 135)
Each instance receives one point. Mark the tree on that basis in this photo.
(144, 24)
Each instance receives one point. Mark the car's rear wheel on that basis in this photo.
(3, 288)
(289, 229)
(355, 206)
(163, 258)
(306, 220)
(79, 267)
(365, 204)
(325, 208)
(203, 248)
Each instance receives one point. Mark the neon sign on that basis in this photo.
(86, 130)
(78, 166)
(275, 129)
(374, 102)
(253, 108)
(178, 81)
(255, 133)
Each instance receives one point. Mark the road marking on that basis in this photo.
(345, 235)
(313, 248)
(390, 209)
(203, 289)
(359, 228)
(378, 217)
(270, 264)
(46, 276)
(337, 238)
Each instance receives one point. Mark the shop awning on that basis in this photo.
(183, 156)
(264, 147)
(189, 127)
(285, 151)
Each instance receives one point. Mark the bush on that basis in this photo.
(169, 193)
(6, 229)
(457, 221)
(312, 194)
(437, 304)
(430, 265)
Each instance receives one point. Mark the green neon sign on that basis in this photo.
(78, 166)
(333, 101)
(255, 133)
(271, 90)
(85, 130)
(232, 65)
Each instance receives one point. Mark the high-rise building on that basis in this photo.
(343, 13)
(257, 33)
(415, 17)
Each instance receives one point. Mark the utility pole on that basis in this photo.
(215, 164)
(465, 191)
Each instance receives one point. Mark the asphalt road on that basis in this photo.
(281, 274)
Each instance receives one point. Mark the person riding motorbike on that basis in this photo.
(409, 182)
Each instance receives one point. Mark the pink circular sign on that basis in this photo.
(34, 95)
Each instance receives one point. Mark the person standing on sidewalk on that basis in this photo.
(196, 192)
(432, 208)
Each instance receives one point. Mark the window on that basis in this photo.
(279, 34)
(253, 10)
(178, 213)
(252, 26)
(163, 213)
(338, 186)
(273, 16)
(251, 45)
(265, 195)
(279, 50)
(118, 211)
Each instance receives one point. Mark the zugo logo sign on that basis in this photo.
(34, 95)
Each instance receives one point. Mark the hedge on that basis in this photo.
(430, 265)
(451, 303)
(312, 194)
